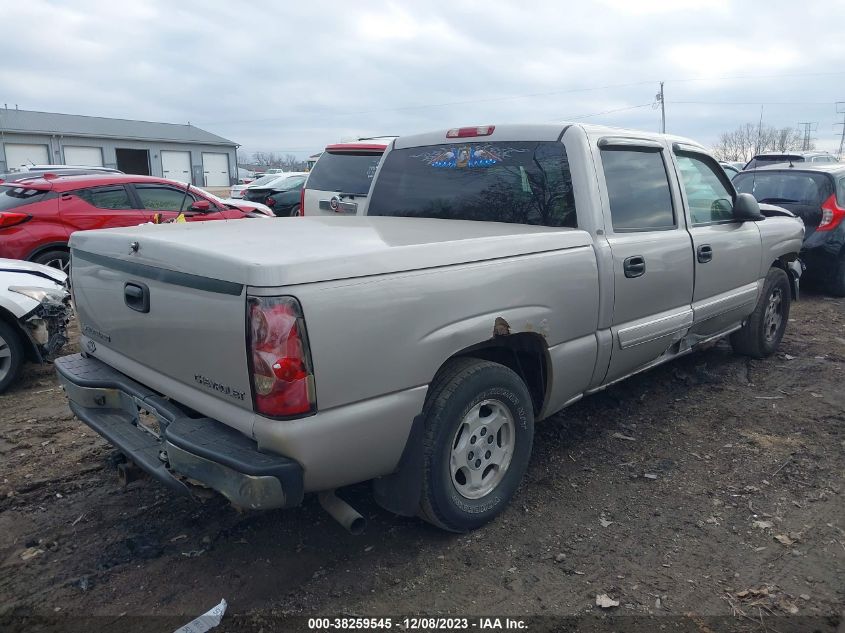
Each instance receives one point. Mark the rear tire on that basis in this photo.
(55, 259)
(296, 212)
(11, 355)
(762, 333)
(479, 429)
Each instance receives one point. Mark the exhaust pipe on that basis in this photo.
(342, 512)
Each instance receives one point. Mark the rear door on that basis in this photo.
(340, 181)
(102, 207)
(727, 252)
(652, 254)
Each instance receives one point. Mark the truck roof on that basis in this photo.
(534, 132)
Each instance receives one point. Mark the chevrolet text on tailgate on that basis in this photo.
(520, 268)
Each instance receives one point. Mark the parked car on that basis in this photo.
(38, 215)
(34, 312)
(237, 190)
(34, 169)
(340, 179)
(529, 266)
(282, 195)
(772, 158)
(815, 193)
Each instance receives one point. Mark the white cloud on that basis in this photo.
(296, 76)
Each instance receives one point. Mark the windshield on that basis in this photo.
(773, 159)
(519, 182)
(780, 187)
(346, 172)
(263, 180)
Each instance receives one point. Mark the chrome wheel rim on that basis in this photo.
(773, 316)
(5, 358)
(61, 264)
(482, 449)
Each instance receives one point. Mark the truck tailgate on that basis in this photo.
(188, 328)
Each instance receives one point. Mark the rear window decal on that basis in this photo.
(466, 156)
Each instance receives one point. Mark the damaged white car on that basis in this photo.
(34, 312)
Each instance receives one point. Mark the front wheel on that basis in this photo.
(11, 356)
(479, 429)
(762, 333)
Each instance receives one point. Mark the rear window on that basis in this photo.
(780, 187)
(523, 183)
(772, 159)
(347, 172)
(14, 197)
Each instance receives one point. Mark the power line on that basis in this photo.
(532, 95)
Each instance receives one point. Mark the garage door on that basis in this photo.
(215, 169)
(19, 154)
(176, 165)
(86, 156)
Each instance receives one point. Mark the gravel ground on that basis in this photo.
(706, 494)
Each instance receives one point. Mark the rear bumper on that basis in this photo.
(201, 449)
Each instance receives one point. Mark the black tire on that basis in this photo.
(56, 258)
(461, 386)
(296, 212)
(837, 281)
(10, 366)
(761, 336)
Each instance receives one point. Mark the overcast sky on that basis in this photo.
(294, 76)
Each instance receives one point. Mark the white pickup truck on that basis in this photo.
(530, 266)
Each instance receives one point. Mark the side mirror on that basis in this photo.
(746, 208)
(201, 206)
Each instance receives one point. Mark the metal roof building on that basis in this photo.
(180, 152)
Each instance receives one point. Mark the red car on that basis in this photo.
(38, 214)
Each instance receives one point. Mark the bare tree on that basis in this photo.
(750, 139)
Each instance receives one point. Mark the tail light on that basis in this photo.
(465, 132)
(270, 202)
(302, 201)
(832, 214)
(9, 218)
(280, 361)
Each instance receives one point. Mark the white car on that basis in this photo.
(34, 312)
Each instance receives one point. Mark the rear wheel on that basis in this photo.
(11, 355)
(479, 428)
(296, 212)
(761, 335)
(55, 259)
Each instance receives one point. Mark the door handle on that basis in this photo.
(137, 296)
(705, 253)
(634, 266)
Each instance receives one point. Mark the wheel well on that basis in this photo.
(782, 263)
(524, 353)
(55, 246)
(9, 319)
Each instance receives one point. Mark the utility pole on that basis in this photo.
(808, 128)
(840, 109)
(660, 100)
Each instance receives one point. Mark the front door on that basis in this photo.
(652, 257)
(167, 202)
(727, 252)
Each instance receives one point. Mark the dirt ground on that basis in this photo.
(706, 493)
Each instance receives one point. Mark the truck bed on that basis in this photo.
(291, 251)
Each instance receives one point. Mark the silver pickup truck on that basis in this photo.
(528, 266)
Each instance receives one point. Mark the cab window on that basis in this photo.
(709, 198)
(638, 189)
